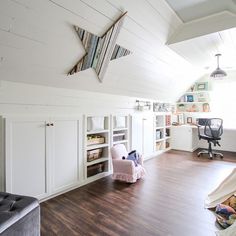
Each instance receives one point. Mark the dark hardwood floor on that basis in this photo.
(168, 202)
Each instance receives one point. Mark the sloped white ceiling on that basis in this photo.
(38, 45)
(194, 9)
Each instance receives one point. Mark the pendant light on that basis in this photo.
(218, 73)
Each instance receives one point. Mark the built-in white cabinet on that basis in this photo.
(184, 137)
(162, 132)
(64, 153)
(120, 130)
(97, 162)
(142, 134)
(151, 134)
(26, 163)
(41, 155)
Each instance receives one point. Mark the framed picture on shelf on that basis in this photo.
(202, 86)
(206, 107)
(189, 98)
(189, 120)
(202, 97)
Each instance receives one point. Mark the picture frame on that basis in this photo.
(202, 86)
(189, 98)
(206, 107)
(202, 97)
(189, 120)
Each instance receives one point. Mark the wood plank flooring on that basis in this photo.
(168, 202)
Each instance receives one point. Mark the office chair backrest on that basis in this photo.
(214, 127)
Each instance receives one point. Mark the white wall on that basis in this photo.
(24, 99)
(2, 172)
(41, 48)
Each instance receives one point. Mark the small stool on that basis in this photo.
(19, 215)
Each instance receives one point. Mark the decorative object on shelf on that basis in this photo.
(189, 98)
(100, 50)
(162, 107)
(206, 107)
(202, 86)
(180, 119)
(218, 73)
(193, 108)
(182, 99)
(143, 105)
(192, 88)
(168, 120)
(189, 120)
(181, 107)
(202, 97)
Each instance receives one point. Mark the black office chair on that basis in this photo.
(210, 130)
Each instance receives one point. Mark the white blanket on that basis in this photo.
(225, 190)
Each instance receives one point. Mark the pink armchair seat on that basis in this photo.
(125, 170)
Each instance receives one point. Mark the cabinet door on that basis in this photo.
(136, 133)
(184, 138)
(64, 163)
(26, 157)
(148, 134)
(142, 134)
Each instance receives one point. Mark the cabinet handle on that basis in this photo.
(51, 124)
(47, 124)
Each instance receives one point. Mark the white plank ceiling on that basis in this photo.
(38, 45)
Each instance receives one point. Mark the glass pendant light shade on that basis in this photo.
(218, 73)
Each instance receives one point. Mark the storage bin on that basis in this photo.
(95, 123)
(158, 146)
(95, 169)
(118, 138)
(94, 154)
(95, 139)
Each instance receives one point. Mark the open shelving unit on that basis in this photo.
(96, 146)
(120, 130)
(162, 132)
(196, 99)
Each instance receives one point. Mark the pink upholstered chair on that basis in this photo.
(125, 170)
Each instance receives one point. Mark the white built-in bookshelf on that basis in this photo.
(120, 130)
(96, 146)
(162, 132)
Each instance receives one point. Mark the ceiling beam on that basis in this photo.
(203, 26)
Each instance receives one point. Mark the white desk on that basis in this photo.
(184, 137)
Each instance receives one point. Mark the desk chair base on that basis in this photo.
(211, 154)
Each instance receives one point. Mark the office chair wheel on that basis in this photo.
(198, 155)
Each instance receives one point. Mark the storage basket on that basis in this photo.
(95, 169)
(95, 139)
(158, 146)
(94, 154)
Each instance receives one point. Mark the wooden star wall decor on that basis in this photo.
(100, 50)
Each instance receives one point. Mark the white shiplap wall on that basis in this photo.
(26, 99)
(38, 45)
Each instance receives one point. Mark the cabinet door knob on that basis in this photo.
(51, 124)
(47, 124)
